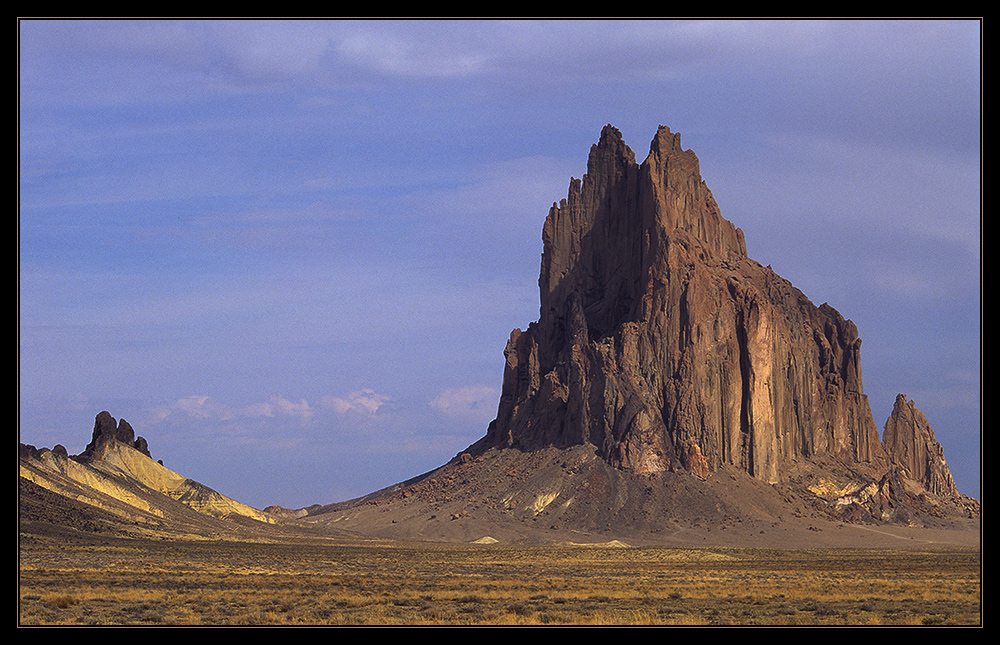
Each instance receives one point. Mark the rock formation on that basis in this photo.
(116, 473)
(106, 433)
(916, 483)
(672, 389)
(664, 345)
(909, 440)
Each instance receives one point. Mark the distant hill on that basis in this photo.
(115, 485)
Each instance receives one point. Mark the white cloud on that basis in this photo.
(363, 402)
(280, 406)
(199, 406)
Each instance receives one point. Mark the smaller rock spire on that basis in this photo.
(909, 440)
(107, 431)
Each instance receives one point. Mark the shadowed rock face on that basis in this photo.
(664, 345)
(106, 433)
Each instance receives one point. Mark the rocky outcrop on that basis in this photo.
(660, 342)
(290, 513)
(116, 473)
(909, 440)
(106, 432)
(917, 482)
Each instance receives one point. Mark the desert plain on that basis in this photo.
(74, 580)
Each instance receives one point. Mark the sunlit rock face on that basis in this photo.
(660, 342)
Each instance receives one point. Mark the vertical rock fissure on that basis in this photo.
(746, 413)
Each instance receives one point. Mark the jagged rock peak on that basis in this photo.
(605, 239)
(106, 431)
(660, 342)
(909, 440)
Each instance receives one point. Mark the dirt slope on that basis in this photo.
(570, 495)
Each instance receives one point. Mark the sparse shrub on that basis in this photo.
(383, 586)
(60, 601)
(151, 616)
(470, 598)
(408, 602)
(474, 609)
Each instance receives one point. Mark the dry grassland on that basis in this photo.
(201, 583)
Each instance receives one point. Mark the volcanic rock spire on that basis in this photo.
(662, 344)
(106, 433)
(909, 439)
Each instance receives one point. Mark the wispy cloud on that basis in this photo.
(203, 407)
(366, 402)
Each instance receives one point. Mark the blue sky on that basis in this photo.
(290, 253)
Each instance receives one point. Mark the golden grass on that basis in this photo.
(228, 583)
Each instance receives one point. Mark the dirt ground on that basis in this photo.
(504, 543)
(569, 497)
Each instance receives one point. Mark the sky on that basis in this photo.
(290, 253)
